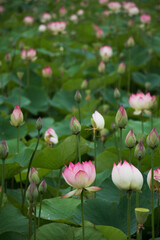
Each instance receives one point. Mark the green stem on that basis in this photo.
(151, 121)
(116, 145)
(79, 112)
(130, 155)
(95, 162)
(3, 179)
(142, 122)
(78, 148)
(29, 166)
(17, 139)
(120, 155)
(129, 215)
(28, 75)
(152, 192)
(129, 77)
(158, 213)
(21, 186)
(30, 222)
(59, 181)
(19, 93)
(35, 223)
(82, 215)
(40, 207)
(137, 193)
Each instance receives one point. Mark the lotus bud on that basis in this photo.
(153, 139)
(75, 126)
(42, 187)
(117, 94)
(78, 97)
(121, 118)
(17, 117)
(141, 215)
(3, 150)
(47, 72)
(84, 85)
(97, 121)
(33, 176)
(32, 193)
(101, 67)
(121, 68)
(130, 42)
(105, 108)
(103, 133)
(39, 124)
(130, 139)
(139, 151)
(20, 75)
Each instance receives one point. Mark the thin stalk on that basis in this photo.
(30, 222)
(3, 179)
(152, 192)
(116, 145)
(29, 166)
(59, 181)
(28, 75)
(94, 139)
(19, 93)
(151, 121)
(35, 223)
(79, 112)
(120, 155)
(129, 215)
(21, 186)
(137, 193)
(78, 148)
(130, 155)
(82, 215)
(17, 139)
(142, 122)
(139, 234)
(158, 213)
(129, 77)
(40, 207)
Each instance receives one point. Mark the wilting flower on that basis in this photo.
(33, 176)
(28, 20)
(29, 55)
(42, 28)
(127, 177)
(121, 68)
(145, 18)
(114, 6)
(141, 102)
(156, 179)
(97, 121)
(51, 137)
(45, 17)
(105, 53)
(17, 117)
(80, 176)
(47, 72)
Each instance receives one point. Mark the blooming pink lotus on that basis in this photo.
(46, 17)
(105, 53)
(51, 137)
(141, 102)
(127, 177)
(28, 20)
(47, 72)
(114, 6)
(57, 27)
(17, 117)
(145, 18)
(156, 179)
(28, 55)
(80, 176)
(132, 11)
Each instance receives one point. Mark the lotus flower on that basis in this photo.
(80, 176)
(145, 18)
(97, 121)
(47, 72)
(51, 137)
(127, 177)
(28, 20)
(105, 53)
(156, 179)
(114, 6)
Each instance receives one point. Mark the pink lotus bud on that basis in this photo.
(33, 176)
(51, 137)
(42, 187)
(45, 17)
(139, 151)
(127, 177)
(78, 97)
(97, 121)
(130, 42)
(121, 118)
(80, 176)
(145, 18)
(28, 20)
(156, 179)
(99, 33)
(75, 126)
(47, 72)
(101, 67)
(130, 23)
(121, 68)
(105, 53)
(31, 55)
(153, 139)
(104, 133)
(32, 193)
(17, 117)
(130, 140)
(42, 28)
(84, 84)
(3, 150)
(62, 11)
(117, 94)
(114, 6)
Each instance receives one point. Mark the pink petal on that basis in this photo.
(70, 194)
(69, 177)
(93, 189)
(78, 192)
(81, 179)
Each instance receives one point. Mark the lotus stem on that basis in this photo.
(35, 223)
(129, 77)
(120, 143)
(40, 207)
(82, 215)
(142, 122)
(3, 179)
(78, 148)
(30, 222)
(59, 181)
(20, 172)
(152, 192)
(79, 112)
(137, 193)
(129, 215)
(116, 145)
(28, 75)
(158, 213)
(130, 155)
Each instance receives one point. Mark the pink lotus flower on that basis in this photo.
(145, 18)
(141, 102)
(47, 72)
(127, 177)
(80, 176)
(105, 53)
(156, 179)
(29, 55)
(51, 137)
(80, 12)
(132, 11)
(103, 2)
(74, 18)
(128, 5)
(97, 121)
(28, 20)
(17, 117)
(99, 33)
(114, 6)
(42, 28)
(62, 11)
(45, 17)
(57, 27)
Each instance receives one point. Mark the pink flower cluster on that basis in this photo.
(57, 27)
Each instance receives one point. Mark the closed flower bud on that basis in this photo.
(33, 176)
(141, 215)
(78, 97)
(47, 72)
(121, 118)
(101, 67)
(97, 121)
(130, 42)
(17, 117)
(130, 139)
(153, 139)
(139, 151)
(75, 126)
(117, 94)
(42, 187)
(84, 84)
(39, 124)
(3, 150)
(32, 193)
(103, 133)
(121, 68)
